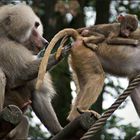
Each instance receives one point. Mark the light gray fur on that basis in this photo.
(21, 68)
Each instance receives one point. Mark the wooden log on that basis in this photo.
(75, 129)
(10, 117)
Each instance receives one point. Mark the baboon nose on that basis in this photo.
(45, 42)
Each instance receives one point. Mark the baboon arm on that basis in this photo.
(43, 109)
(31, 71)
(32, 68)
(122, 41)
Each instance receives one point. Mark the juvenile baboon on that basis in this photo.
(113, 33)
(88, 76)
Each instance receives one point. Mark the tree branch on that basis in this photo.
(76, 128)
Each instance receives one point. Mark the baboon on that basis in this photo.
(20, 39)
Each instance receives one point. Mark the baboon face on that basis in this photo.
(129, 23)
(21, 24)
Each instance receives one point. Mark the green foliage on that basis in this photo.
(128, 7)
(63, 98)
(114, 130)
(36, 132)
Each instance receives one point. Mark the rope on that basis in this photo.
(101, 121)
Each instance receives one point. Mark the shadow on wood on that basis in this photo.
(10, 117)
(75, 129)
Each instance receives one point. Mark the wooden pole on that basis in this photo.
(75, 129)
(10, 117)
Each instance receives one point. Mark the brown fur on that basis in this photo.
(88, 76)
(121, 60)
(87, 70)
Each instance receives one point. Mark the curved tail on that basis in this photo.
(42, 69)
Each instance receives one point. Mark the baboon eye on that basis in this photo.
(37, 24)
